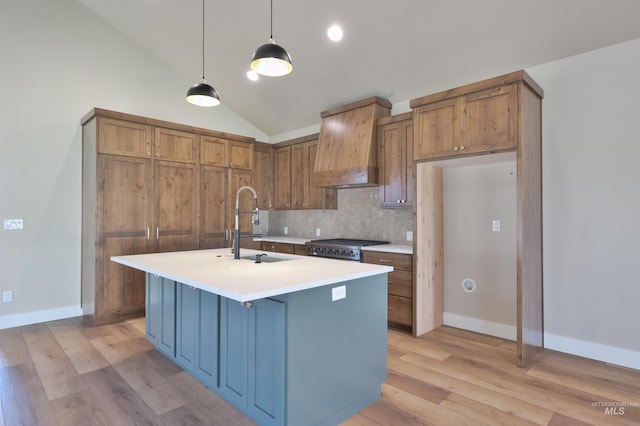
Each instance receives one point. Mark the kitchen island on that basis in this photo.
(290, 341)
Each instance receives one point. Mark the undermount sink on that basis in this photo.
(264, 258)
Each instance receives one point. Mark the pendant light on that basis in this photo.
(270, 59)
(203, 94)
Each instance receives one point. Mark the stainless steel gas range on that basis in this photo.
(340, 248)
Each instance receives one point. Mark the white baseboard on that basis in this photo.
(491, 328)
(597, 351)
(17, 320)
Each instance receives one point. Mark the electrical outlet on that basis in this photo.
(317, 232)
(338, 293)
(409, 235)
(496, 225)
(285, 230)
(13, 224)
(7, 296)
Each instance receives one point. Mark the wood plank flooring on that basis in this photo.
(67, 373)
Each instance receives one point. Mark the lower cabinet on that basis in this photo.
(237, 350)
(252, 358)
(401, 288)
(295, 359)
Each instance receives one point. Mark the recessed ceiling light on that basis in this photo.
(252, 75)
(334, 33)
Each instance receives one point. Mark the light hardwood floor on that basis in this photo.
(66, 373)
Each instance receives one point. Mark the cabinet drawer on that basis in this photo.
(268, 246)
(397, 260)
(400, 310)
(285, 248)
(401, 283)
(279, 247)
(300, 250)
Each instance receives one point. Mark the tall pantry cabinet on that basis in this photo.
(140, 194)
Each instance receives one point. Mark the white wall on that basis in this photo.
(473, 197)
(591, 203)
(57, 61)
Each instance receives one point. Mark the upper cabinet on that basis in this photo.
(224, 152)
(294, 187)
(263, 175)
(395, 160)
(474, 119)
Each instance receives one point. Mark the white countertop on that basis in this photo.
(283, 239)
(216, 271)
(391, 248)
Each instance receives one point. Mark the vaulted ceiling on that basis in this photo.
(396, 49)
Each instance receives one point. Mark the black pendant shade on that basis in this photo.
(271, 59)
(202, 94)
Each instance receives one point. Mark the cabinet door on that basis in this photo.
(124, 138)
(233, 351)
(161, 314)
(490, 120)
(282, 168)
(299, 180)
(176, 206)
(206, 362)
(152, 314)
(390, 161)
(187, 303)
(241, 155)
(175, 145)
(263, 177)
(124, 209)
(265, 401)
(437, 129)
(213, 207)
(213, 151)
(408, 178)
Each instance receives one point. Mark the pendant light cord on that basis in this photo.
(271, 20)
(202, 39)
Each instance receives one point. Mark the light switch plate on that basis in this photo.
(13, 224)
(496, 226)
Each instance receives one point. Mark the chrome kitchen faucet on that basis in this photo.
(255, 221)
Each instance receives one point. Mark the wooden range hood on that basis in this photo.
(347, 149)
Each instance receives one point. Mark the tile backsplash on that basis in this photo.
(359, 215)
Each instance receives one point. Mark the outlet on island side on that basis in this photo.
(338, 293)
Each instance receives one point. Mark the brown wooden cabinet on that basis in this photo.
(296, 191)
(139, 196)
(263, 175)
(480, 122)
(395, 160)
(401, 288)
(287, 248)
(501, 114)
(143, 190)
(218, 190)
(282, 171)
